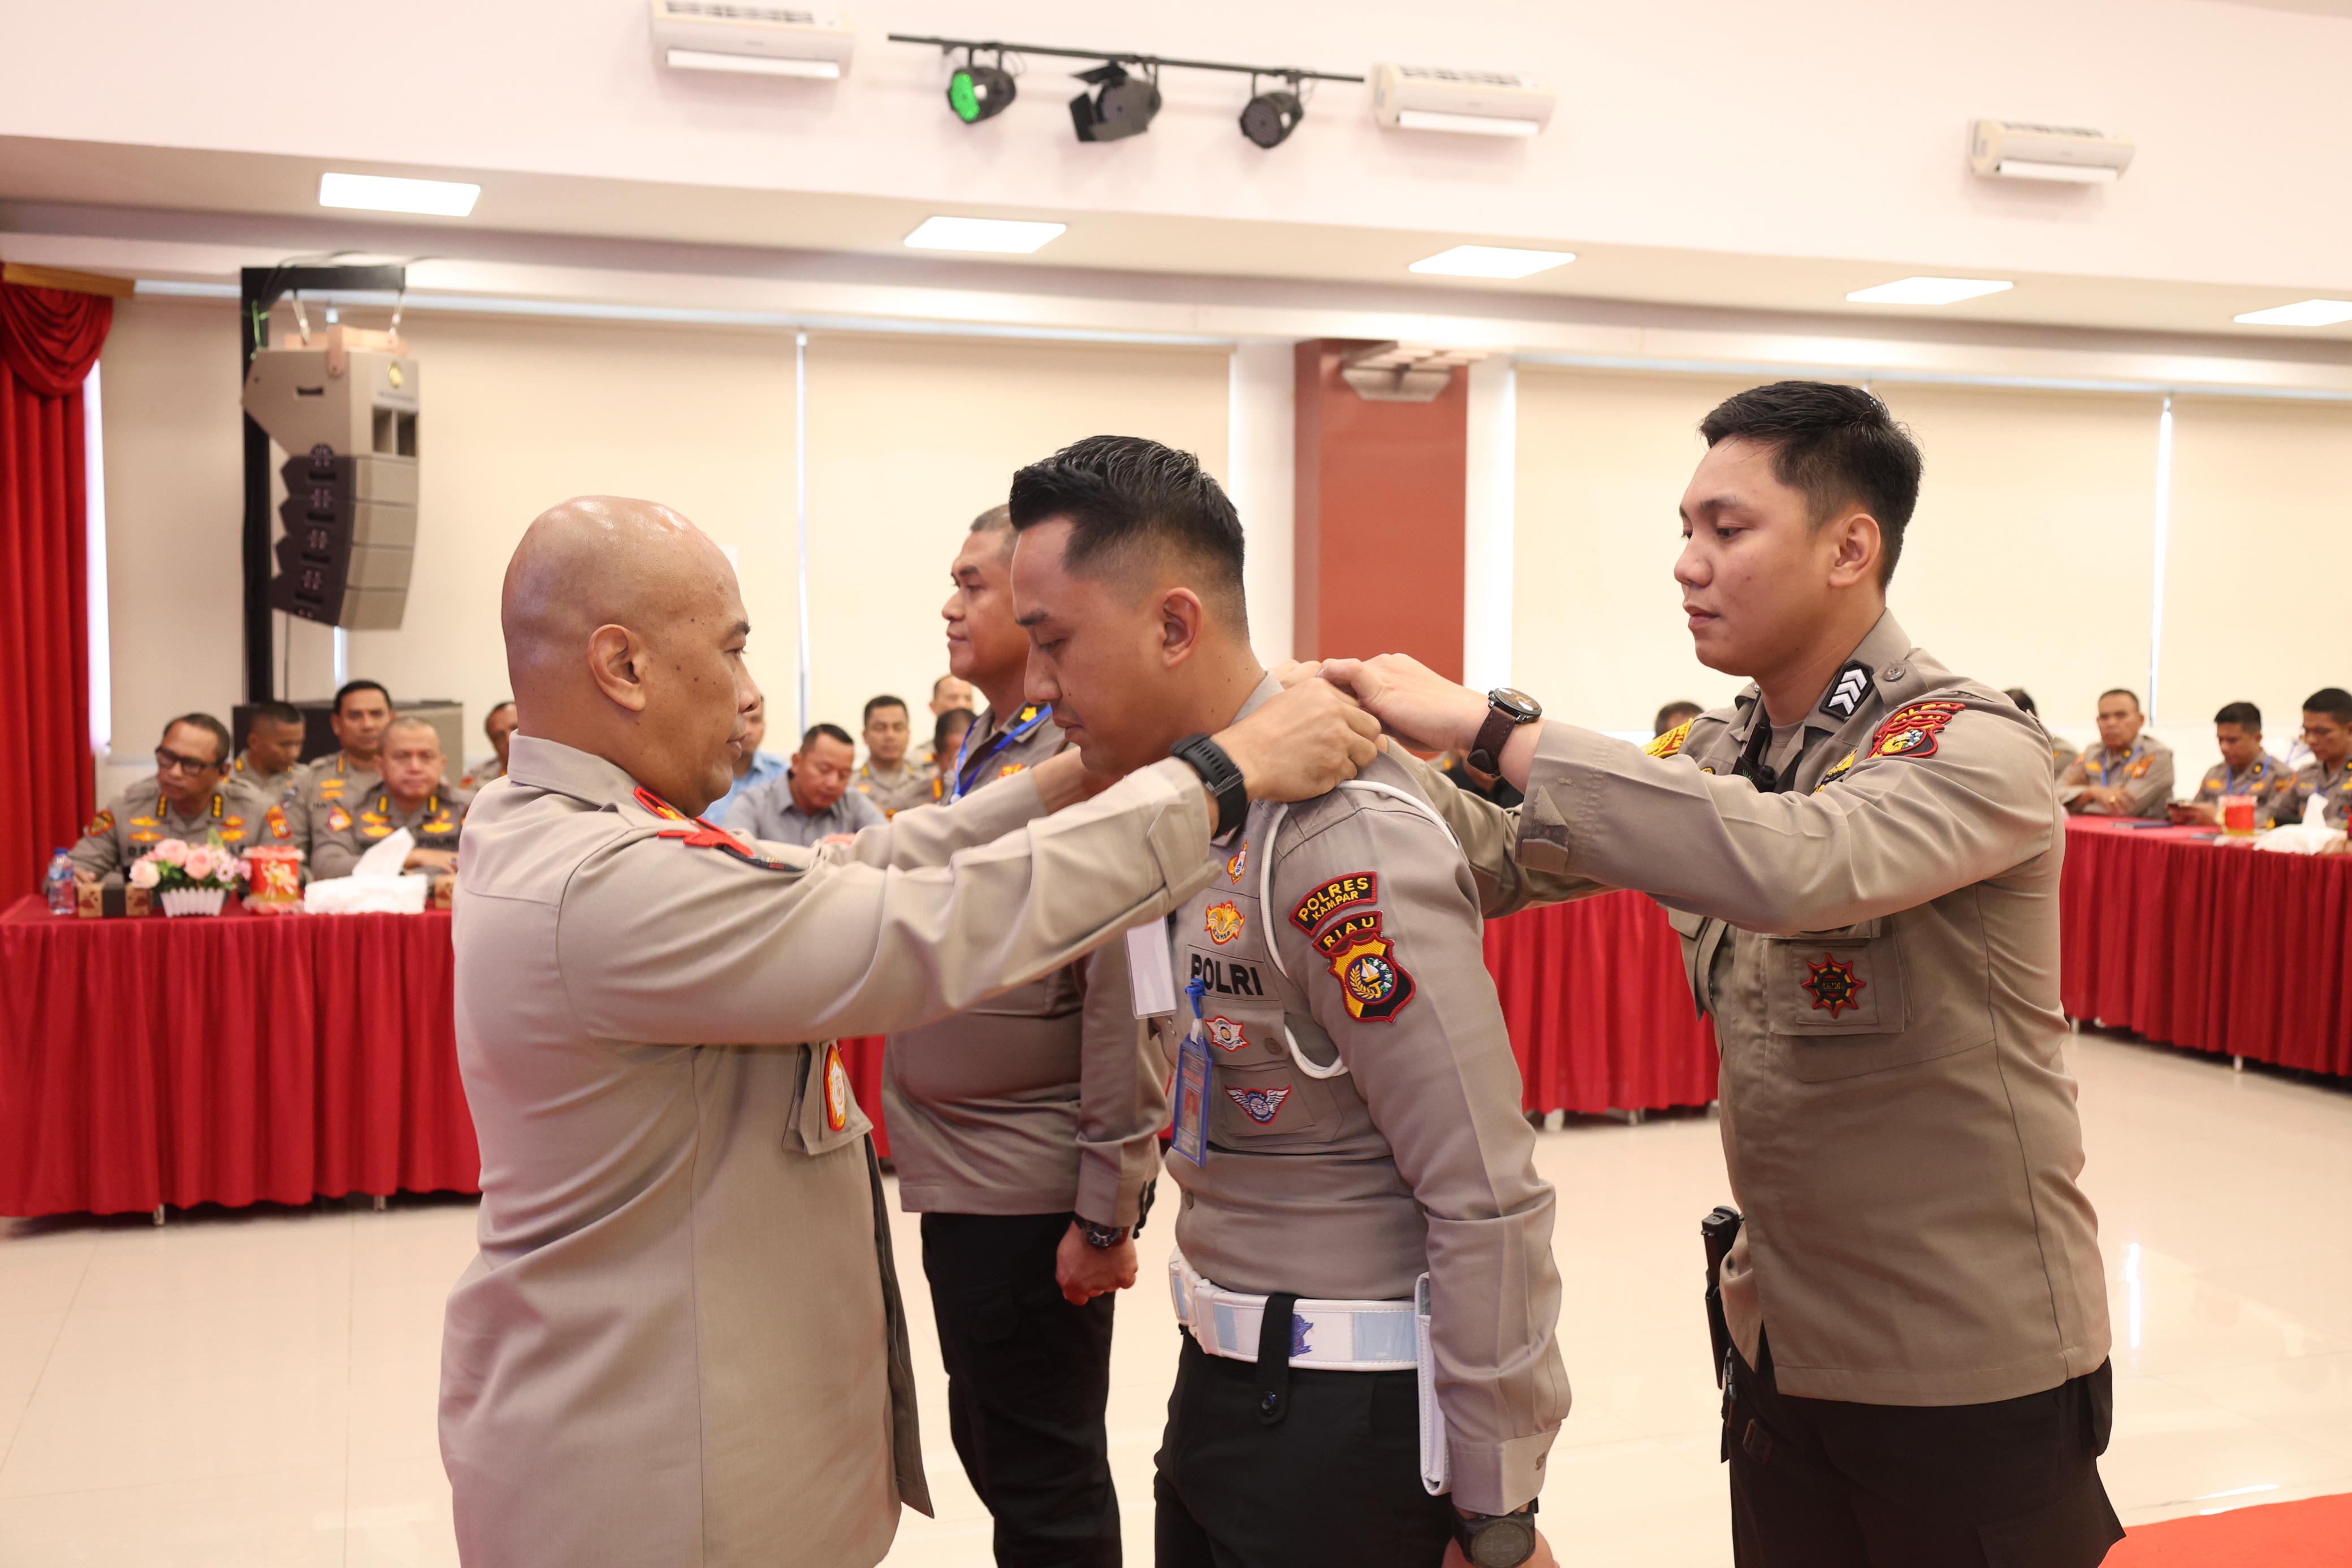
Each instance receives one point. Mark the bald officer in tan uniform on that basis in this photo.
(1862, 857)
(410, 794)
(1347, 1133)
(681, 1342)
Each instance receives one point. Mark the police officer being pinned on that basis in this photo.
(681, 1342)
(1861, 855)
(1356, 1179)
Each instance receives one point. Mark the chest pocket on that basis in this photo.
(1257, 1102)
(1842, 1002)
(824, 1096)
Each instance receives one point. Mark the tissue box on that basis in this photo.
(368, 895)
(112, 900)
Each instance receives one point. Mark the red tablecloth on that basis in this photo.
(235, 1060)
(2218, 947)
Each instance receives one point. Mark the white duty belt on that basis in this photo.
(1330, 1337)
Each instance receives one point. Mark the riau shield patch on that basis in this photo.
(1374, 986)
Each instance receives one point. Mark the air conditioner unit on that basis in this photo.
(1481, 103)
(2011, 150)
(752, 40)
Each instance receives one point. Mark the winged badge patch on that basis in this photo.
(1672, 742)
(1224, 922)
(1260, 1105)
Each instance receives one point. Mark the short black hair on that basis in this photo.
(498, 709)
(940, 731)
(886, 700)
(275, 712)
(348, 687)
(1837, 445)
(2333, 701)
(2245, 715)
(2122, 692)
(1123, 493)
(2022, 698)
(831, 732)
(1672, 715)
(210, 725)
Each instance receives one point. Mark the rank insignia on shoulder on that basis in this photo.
(1849, 691)
(1260, 1105)
(1911, 731)
(1224, 922)
(1672, 742)
(1834, 987)
(102, 823)
(2140, 768)
(1238, 863)
(1224, 1033)
(1339, 894)
(837, 1088)
(1375, 987)
(1344, 933)
(338, 820)
(659, 807)
(1834, 774)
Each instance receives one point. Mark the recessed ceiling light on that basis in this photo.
(1491, 261)
(1927, 291)
(383, 194)
(1004, 236)
(2302, 313)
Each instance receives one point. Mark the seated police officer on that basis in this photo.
(1862, 857)
(1347, 1132)
(190, 799)
(2245, 768)
(410, 793)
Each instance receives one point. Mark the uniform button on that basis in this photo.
(1892, 672)
(1270, 1403)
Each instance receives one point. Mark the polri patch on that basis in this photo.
(1375, 987)
(1339, 894)
(1260, 1105)
(1224, 922)
(1911, 731)
(1833, 986)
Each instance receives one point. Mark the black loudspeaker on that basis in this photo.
(350, 537)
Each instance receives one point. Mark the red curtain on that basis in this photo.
(48, 341)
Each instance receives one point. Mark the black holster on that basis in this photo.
(1718, 1231)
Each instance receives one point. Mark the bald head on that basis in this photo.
(625, 631)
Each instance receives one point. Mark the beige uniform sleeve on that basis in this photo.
(667, 943)
(1122, 1092)
(2209, 788)
(100, 853)
(1433, 1061)
(927, 835)
(2073, 781)
(1490, 837)
(2145, 795)
(332, 853)
(1893, 834)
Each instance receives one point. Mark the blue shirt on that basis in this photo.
(765, 765)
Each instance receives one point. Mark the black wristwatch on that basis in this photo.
(1497, 1539)
(1220, 774)
(1505, 711)
(1100, 1235)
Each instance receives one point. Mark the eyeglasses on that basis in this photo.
(172, 761)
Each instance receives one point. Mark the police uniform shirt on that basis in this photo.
(269, 788)
(2144, 773)
(2333, 784)
(892, 792)
(768, 812)
(490, 770)
(326, 781)
(682, 1341)
(141, 818)
(1876, 940)
(1046, 1097)
(345, 830)
(2265, 779)
(1403, 1151)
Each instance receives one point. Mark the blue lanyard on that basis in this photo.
(1027, 720)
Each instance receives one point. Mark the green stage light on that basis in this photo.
(978, 92)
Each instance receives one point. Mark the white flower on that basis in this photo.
(144, 872)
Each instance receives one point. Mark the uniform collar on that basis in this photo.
(566, 770)
(1264, 692)
(1882, 658)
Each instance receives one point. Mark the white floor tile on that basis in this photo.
(275, 1519)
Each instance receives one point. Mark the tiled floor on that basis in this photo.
(256, 1390)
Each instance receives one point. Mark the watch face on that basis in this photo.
(1517, 704)
(1504, 1542)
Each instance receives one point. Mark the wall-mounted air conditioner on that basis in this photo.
(1481, 103)
(2012, 150)
(752, 40)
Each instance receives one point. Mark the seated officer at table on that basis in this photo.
(2245, 768)
(812, 802)
(362, 711)
(409, 795)
(2126, 774)
(2327, 730)
(189, 799)
(271, 763)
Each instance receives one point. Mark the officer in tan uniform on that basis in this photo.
(1025, 1132)
(2127, 773)
(2245, 768)
(270, 764)
(362, 711)
(191, 798)
(1347, 1133)
(886, 777)
(681, 1342)
(2327, 731)
(410, 794)
(1862, 857)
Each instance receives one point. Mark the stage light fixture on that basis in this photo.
(1270, 117)
(1121, 105)
(978, 92)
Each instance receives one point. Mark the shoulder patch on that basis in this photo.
(100, 824)
(1672, 742)
(1372, 983)
(278, 824)
(338, 818)
(1224, 922)
(1343, 933)
(1339, 892)
(1911, 731)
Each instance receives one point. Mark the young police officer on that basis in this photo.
(1862, 857)
(1347, 1132)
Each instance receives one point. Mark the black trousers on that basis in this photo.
(1821, 1483)
(1328, 1474)
(1028, 1375)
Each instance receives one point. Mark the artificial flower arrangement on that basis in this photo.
(190, 879)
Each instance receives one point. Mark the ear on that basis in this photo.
(617, 660)
(1857, 547)
(1179, 625)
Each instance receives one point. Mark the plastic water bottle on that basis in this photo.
(64, 897)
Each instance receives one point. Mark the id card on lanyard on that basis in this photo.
(1193, 1068)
